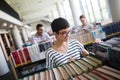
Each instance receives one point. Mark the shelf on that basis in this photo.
(31, 63)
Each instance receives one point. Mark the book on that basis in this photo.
(109, 72)
(83, 67)
(89, 76)
(52, 76)
(64, 73)
(106, 76)
(90, 62)
(27, 56)
(16, 58)
(22, 57)
(76, 68)
(86, 64)
(36, 76)
(97, 76)
(57, 74)
(31, 77)
(68, 70)
(25, 78)
(42, 75)
(111, 69)
(71, 69)
(95, 59)
(47, 77)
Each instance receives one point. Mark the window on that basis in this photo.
(55, 13)
(68, 13)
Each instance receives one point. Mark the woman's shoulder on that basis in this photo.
(74, 41)
(49, 51)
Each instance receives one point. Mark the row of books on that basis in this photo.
(20, 57)
(87, 37)
(100, 73)
(87, 68)
(112, 28)
(68, 70)
(44, 46)
(27, 55)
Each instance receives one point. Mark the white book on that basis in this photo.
(81, 77)
(47, 75)
(57, 74)
(52, 77)
(97, 77)
(109, 72)
(90, 77)
(25, 78)
(68, 71)
(42, 75)
(37, 76)
(95, 59)
(64, 73)
(111, 69)
(71, 69)
(31, 77)
(103, 75)
(86, 64)
(75, 78)
(83, 67)
(76, 68)
(90, 62)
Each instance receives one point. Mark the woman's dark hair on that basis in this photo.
(59, 24)
(39, 25)
(82, 16)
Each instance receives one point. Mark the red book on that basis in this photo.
(26, 54)
(15, 58)
(21, 56)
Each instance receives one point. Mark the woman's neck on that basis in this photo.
(60, 43)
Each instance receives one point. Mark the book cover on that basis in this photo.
(90, 62)
(26, 54)
(22, 57)
(57, 74)
(86, 64)
(16, 58)
(76, 68)
(64, 73)
(83, 67)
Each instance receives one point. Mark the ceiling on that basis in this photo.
(33, 10)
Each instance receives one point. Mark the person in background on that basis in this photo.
(63, 50)
(85, 25)
(40, 36)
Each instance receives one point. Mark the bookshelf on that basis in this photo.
(7, 44)
(23, 66)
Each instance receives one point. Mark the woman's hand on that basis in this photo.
(71, 59)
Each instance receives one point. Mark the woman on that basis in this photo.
(85, 26)
(63, 50)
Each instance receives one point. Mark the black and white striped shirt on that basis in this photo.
(54, 58)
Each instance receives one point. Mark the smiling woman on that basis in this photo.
(63, 50)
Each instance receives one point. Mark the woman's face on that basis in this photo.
(63, 35)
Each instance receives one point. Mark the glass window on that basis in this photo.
(96, 10)
(55, 13)
(90, 11)
(104, 9)
(68, 12)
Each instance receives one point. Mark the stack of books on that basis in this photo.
(85, 67)
(100, 73)
(20, 57)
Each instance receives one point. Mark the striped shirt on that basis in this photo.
(54, 58)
